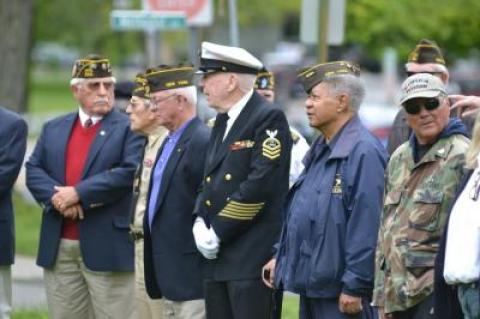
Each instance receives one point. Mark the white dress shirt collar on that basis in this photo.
(84, 117)
(235, 111)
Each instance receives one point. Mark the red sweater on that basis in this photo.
(78, 147)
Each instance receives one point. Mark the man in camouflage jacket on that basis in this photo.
(421, 179)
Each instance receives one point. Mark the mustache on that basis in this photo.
(100, 102)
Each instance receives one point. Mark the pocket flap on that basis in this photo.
(427, 196)
(393, 198)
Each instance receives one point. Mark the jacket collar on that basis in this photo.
(348, 136)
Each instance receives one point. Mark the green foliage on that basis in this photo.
(84, 25)
(30, 314)
(402, 23)
(27, 226)
(373, 24)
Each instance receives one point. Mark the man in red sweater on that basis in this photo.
(81, 173)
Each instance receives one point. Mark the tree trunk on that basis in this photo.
(16, 26)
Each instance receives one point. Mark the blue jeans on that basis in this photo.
(469, 297)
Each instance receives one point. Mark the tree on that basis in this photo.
(402, 23)
(16, 25)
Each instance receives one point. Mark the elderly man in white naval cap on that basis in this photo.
(238, 214)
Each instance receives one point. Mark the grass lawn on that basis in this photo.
(290, 307)
(30, 314)
(50, 92)
(27, 226)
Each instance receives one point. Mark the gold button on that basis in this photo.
(208, 203)
(228, 177)
(208, 179)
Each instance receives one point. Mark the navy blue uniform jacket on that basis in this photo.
(13, 140)
(171, 260)
(329, 238)
(105, 191)
(244, 189)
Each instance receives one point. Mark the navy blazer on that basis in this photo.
(13, 141)
(171, 260)
(105, 191)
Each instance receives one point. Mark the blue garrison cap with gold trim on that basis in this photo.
(140, 86)
(311, 76)
(426, 51)
(167, 77)
(92, 66)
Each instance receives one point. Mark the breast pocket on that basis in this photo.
(425, 215)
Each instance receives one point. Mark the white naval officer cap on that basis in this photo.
(222, 58)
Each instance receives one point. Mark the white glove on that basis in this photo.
(206, 240)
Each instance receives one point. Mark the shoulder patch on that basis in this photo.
(271, 147)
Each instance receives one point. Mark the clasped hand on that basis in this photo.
(67, 202)
(207, 242)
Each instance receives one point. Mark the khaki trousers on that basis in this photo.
(147, 308)
(192, 309)
(74, 292)
(5, 292)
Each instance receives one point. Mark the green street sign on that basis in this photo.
(147, 20)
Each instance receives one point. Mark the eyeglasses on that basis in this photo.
(157, 102)
(414, 106)
(94, 86)
(135, 102)
(432, 73)
(475, 191)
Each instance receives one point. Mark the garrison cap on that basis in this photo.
(140, 86)
(426, 51)
(167, 77)
(421, 85)
(222, 58)
(92, 66)
(311, 76)
(265, 80)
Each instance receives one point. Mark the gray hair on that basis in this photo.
(189, 92)
(347, 84)
(77, 81)
(246, 81)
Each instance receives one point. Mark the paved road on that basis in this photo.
(28, 289)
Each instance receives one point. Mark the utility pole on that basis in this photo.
(323, 31)
(232, 14)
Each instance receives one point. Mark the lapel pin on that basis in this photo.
(102, 132)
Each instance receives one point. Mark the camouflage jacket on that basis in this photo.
(417, 197)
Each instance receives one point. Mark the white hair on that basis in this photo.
(77, 81)
(347, 84)
(189, 92)
(434, 67)
(246, 81)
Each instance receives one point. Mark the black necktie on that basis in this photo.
(219, 128)
(88, 123)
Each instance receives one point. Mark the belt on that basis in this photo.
(136, 234)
